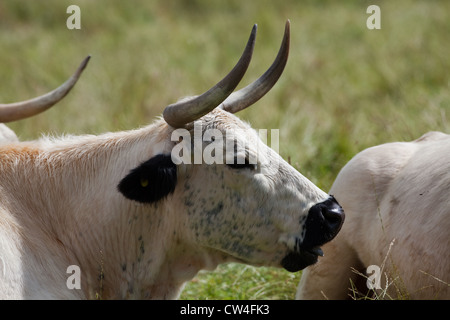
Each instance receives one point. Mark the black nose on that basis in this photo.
(323, 223)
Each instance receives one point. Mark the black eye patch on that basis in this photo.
(151, 181)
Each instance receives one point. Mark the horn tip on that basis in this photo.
(287, 27)
(84, 63)
(254, 30)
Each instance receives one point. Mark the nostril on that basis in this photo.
(332, 219)
(333, 213)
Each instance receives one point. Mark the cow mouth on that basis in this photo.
(322, 224)
(296, 261)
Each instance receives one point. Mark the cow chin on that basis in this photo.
(296, 261)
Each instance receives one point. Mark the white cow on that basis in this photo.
(116, 211)
(397, 202)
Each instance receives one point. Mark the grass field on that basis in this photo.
(345, 87)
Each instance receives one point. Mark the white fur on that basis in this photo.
(395, 193)
(7, 135)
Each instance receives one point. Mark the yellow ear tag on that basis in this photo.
(144, 182)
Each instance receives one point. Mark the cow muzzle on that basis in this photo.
(322, 224)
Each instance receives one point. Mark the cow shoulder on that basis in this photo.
(432, 136)
(368, 174)
(361, 186)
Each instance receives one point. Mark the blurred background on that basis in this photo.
(345, 87)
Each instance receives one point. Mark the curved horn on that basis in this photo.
(253, 92)
(182, 112)
(19, 110)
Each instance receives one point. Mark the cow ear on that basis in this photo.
(150, 181)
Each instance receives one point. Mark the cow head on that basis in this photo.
(243, 202)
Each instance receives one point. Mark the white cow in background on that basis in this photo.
(396, 198)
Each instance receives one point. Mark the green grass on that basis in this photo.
(236, 281)
(345, 87)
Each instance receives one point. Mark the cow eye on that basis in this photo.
(245, 165)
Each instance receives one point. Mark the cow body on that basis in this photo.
(397, 202)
